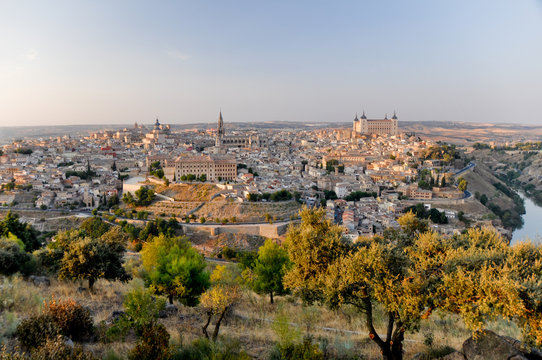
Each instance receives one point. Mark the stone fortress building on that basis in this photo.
(364, 126)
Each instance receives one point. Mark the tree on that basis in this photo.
(25, 232)
(94, 258)
(95, 227)
(221, 296)
(12, 255)
(411, 272)
(143, 197)
(175, 269)
(269, 269)
(462, 184)
(166, 182)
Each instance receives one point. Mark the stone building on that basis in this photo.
(364, 126)
(212, 166)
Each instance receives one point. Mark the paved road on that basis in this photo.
(466, 168)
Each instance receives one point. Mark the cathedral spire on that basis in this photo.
(220, 130)
(394, 117)
(363, 115)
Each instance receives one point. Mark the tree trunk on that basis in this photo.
(271, 295)
(91, 282)
(209, 316)
(392, 348)
(217, 325)
(170, 297)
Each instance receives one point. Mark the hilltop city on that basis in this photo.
(365, 176)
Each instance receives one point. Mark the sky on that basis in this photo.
(126, 61)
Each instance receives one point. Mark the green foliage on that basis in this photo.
(479, 146)
(203, 349)
(330, 195)
(143, 197)
(443, 152)
(94, 227)
(286, 333)
(462, 184)
(280, 195)
(57, 349)
(305, 350)
(85, 175)
(12, 256)
(175, 269)
(24, 151)
(153, 344)
(436, 216)
(142, 308)
(356, 195)
(411, 272)
(34, 331)
(269, 269)
(66, 318)
(91, 259)
(158, 173)
(159, 227)
(25, 232)
(221, 296)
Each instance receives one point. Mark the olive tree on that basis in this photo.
(221, 296)
(411, 272)
(93, 258)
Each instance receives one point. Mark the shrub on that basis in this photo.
(72, 319)
(66, 318)
(205, 349)
(12, 256)
(49, 260)
(141, 311)
(153, 344)
(34, 331)
(305, 350)
(57, 349)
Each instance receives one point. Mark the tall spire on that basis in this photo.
(363, 115)
(394, 117)
(356, 118)
(386, 116)
(220, 131)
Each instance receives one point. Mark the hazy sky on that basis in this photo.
(80, 62)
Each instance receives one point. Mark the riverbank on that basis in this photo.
(532, 222)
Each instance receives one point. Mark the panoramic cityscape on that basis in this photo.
(282, 180)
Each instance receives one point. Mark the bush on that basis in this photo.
(34, 331)
(12, 256)
(66, 318)
(49, 260)
(305, 350)
(153, 344)
(57, 349)
(72, 319)
(141, 311)
(204, 349)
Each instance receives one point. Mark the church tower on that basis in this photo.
(220, 131)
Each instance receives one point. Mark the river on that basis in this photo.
(532, 223)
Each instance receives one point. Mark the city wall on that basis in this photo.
(272, 231)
